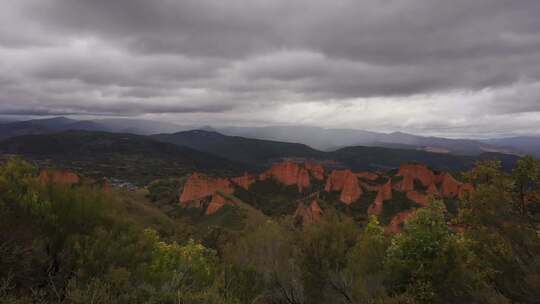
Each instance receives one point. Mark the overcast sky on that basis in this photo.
(467, 68)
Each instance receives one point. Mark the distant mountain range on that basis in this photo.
(332, 139)
(58, 124)
(317, 138)
(141, 159)
(524, 144)
(260, 153)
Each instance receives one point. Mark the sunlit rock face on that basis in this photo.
(289, 173)
(308, 214)
(346, 182)
(199, 186)
(396, 223)
(58, 177)
(217, 202)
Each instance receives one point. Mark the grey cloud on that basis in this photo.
(521, 98)
(131, 57)
(420, 33)
(386, 31)
(122, 70)
(111, 107)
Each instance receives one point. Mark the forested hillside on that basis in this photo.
(63, 243)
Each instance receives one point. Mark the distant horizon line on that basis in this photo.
(11, 118)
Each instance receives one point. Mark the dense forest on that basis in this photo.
(82, 244)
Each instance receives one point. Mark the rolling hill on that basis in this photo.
(315, 137)
(141, 159)
(60, 124)
(369, 158)
(255, 152)
(135, 158)
(260, 153)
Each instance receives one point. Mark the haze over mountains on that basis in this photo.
(315, 137)
(331, 139)
(110, 148)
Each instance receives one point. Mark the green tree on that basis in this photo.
(76, 245)
(365, 264)
(526, 176)
(267, 255)
(429, 262)
(324, 249)
(507, 242)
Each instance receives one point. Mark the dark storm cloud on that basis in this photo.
(130, 57)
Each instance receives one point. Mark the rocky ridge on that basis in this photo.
(418, 182)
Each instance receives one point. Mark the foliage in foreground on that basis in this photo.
(77, 245)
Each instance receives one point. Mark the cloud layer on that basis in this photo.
(456, 68)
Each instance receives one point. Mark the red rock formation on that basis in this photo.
(449, 186)
(106, 186)
(437, 184)
(346, 182)
(432, 189)
(351, 191)
(309, 215)
(315, 208)
(199, 186)
(439, 178)
(368, 175)
(217, 202)
(58, 177)
(396, 223)
(375, 208)
(316, 170)
(386, 191)
(419, 172)
(419, 198)
(405, 185)
(244, 181)
(336, 180)
(412, 172)
(289, 173)
(303, 179)
(384, 194)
